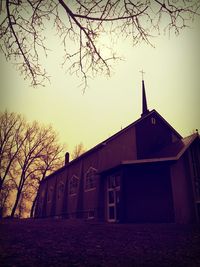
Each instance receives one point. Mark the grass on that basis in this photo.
(70, 243)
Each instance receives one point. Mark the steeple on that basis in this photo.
(144, 101)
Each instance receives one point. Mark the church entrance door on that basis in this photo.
(113, 198)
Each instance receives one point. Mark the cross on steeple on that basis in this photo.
(142, 74)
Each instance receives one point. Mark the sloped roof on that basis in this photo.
(113, 137)
(171, 152)
(122, 131)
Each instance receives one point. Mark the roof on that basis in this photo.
(113, 137)
(122, 131)
(170, 153)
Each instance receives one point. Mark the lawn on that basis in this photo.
(70, 243)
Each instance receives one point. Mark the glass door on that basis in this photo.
(113, 198)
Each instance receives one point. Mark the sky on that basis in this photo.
(172, 81)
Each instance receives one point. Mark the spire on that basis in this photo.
(144, 100)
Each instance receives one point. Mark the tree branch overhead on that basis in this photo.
(81, 25)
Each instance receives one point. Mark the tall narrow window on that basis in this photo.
(90, 179)
(153, 121)
(73, 185)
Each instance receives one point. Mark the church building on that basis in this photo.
(147, 172)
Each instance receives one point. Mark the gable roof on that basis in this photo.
(100, 145)
(125, 129)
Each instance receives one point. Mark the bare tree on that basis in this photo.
(78, 150)
(11, 127)
(84, 22)
(7, 190)
(32, 158)
(51, 160)
(28, 152)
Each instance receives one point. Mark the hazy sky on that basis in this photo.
(172, 83)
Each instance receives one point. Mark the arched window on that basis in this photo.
(90, 179)
(73, 185)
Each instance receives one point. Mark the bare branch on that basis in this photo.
(82, 24)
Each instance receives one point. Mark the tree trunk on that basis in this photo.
(33, 206)
(16, 204)
(1, 184)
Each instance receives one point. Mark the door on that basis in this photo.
(113, 198)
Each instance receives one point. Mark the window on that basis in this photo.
(110, 197)
(90, 179)
(50, 194)
(113, 181)
(153, 121)
(73, 185)
(60, 190)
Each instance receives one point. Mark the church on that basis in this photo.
(145, 173)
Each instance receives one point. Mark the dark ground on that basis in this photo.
(48, 242)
